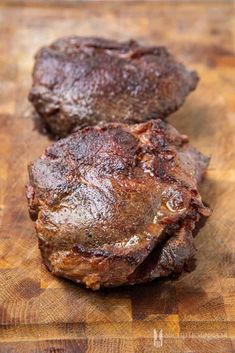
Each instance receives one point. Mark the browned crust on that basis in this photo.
(117, 204)
(82, 81)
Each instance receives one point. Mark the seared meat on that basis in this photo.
(116, 204)
(79, 82)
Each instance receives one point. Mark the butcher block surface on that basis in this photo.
(193, 314)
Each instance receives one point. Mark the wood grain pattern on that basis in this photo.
(196, 313)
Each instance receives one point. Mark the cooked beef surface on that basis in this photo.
(117, 204)
(79, 82)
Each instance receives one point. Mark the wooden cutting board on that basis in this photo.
(196, 313)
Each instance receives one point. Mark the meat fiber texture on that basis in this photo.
(117, 204)
(80, 82)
